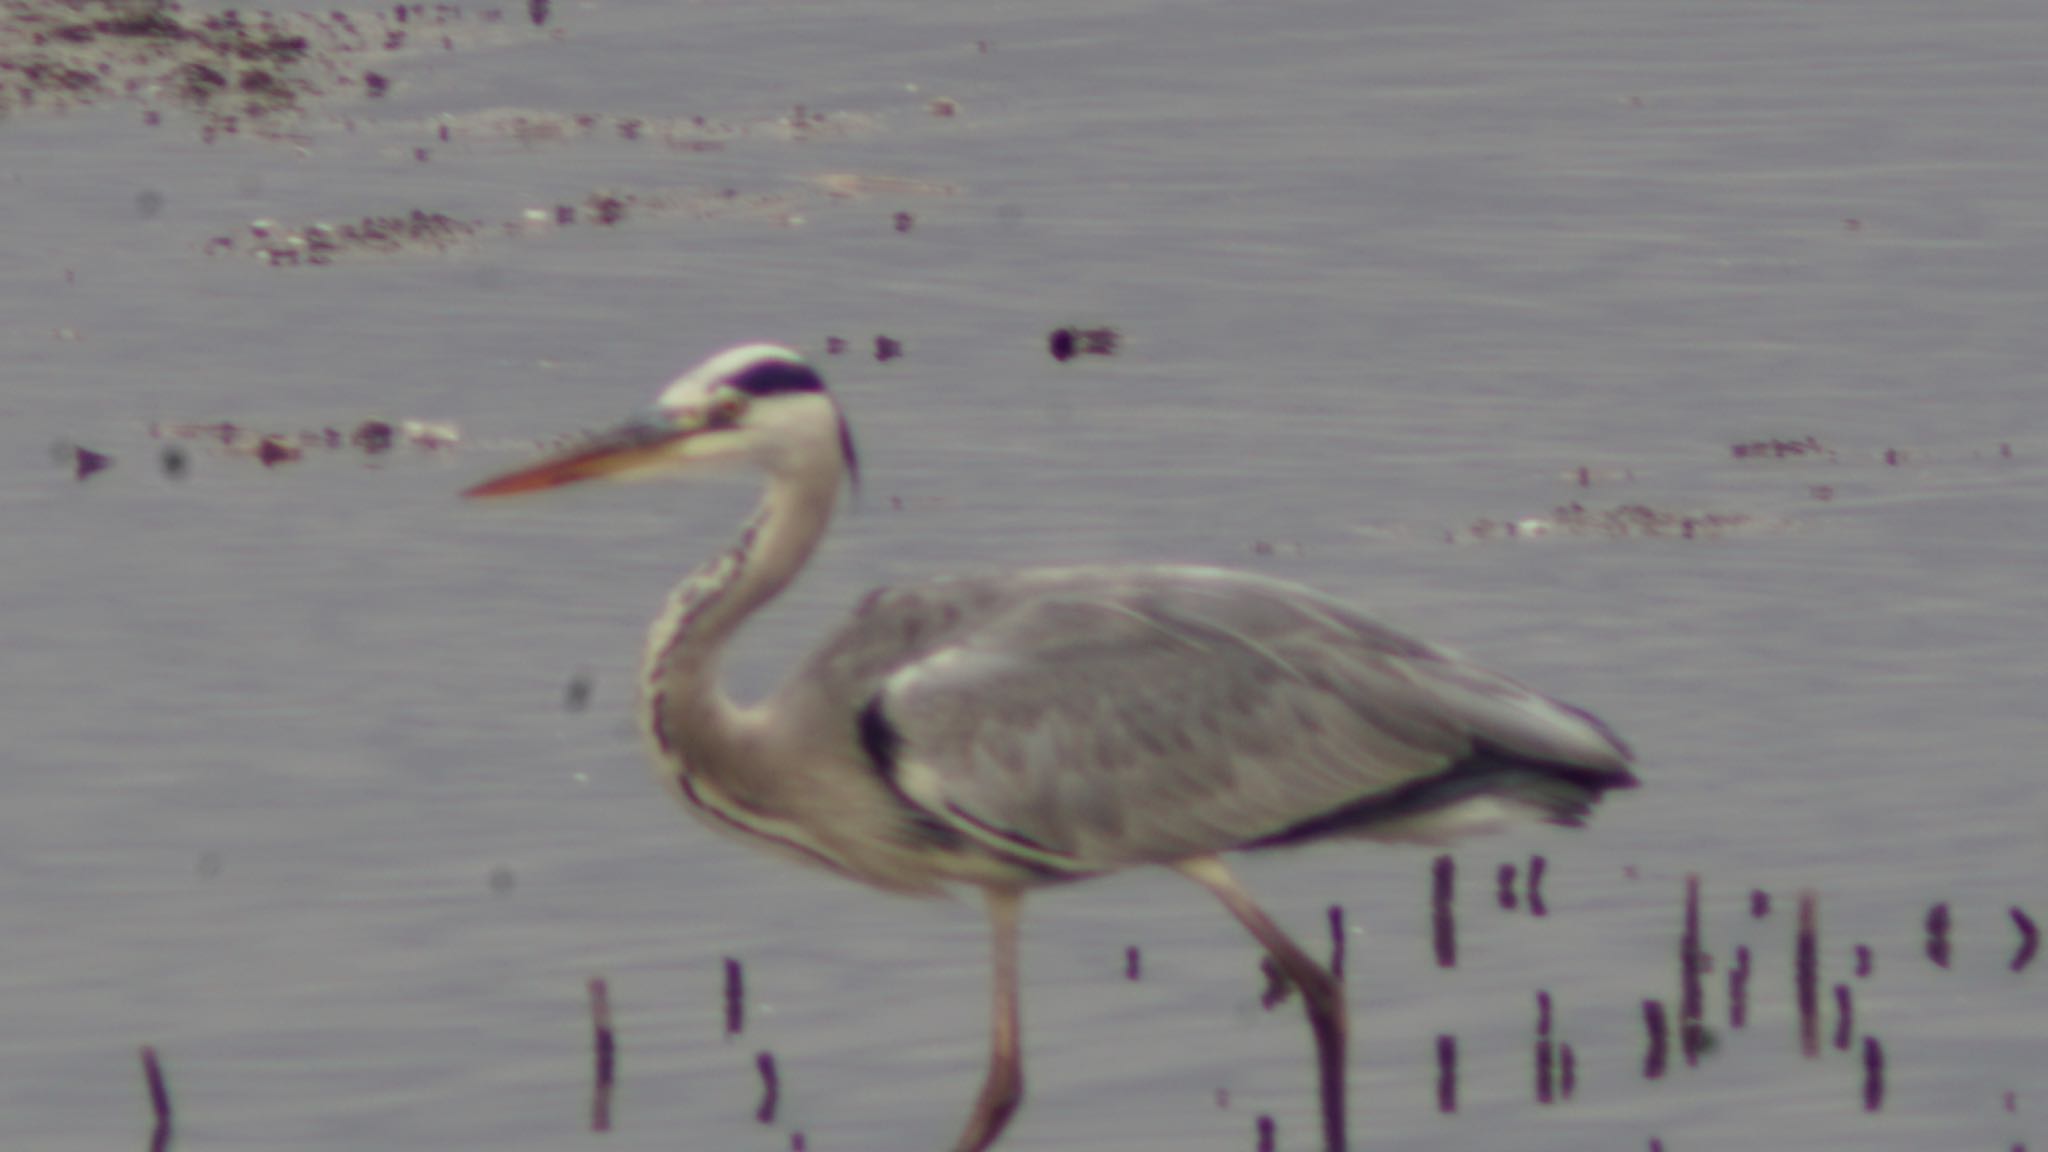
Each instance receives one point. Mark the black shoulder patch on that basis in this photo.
(880, 740)
(884, 745)
(772, 377)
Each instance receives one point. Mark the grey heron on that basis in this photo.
(1014, 731)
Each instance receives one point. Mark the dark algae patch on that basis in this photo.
(60, 53)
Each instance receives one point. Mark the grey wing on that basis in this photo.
(1103, 718)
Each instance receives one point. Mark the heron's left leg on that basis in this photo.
(1321, 995)
(1002, 1093)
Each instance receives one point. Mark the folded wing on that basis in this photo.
(1093, 719)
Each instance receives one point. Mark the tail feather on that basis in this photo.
(1489, 779)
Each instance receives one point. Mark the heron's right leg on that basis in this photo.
(1003, 1091)
(1321, 995)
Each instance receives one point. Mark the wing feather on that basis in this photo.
(1095, 718)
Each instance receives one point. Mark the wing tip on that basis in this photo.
(1466, 797)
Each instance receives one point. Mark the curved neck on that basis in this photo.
(681, 669)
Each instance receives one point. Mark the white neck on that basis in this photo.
(688, 715)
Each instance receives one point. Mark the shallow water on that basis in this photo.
(1380, 275)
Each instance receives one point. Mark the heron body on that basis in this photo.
(1016, 730)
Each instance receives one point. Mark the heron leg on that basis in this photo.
(1321, 994)
(1003, 1091)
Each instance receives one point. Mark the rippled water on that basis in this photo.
(1381, 274)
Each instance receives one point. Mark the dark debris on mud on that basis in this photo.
(57, 54)
(253, 72)
(420, 232)
(1806, 447)
(320, 243)
(1619, 522)
(274, 76)
(1066, 343)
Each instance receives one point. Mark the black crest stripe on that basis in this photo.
(775, 377)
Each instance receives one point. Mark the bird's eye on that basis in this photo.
(726, 410)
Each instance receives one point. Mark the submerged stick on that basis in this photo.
(771, 1087)
(1738, 988)
(1446, 1073)
(1806, 973)
(1278, 986)
(735, 998)
(2030, 938)
(159, 1098)
(1937, 935)
(605, 1047)
(1443, 882)
(1693, 997)
(1653, 1023)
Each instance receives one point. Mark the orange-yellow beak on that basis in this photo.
(629, 447)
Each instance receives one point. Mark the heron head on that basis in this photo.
(760, 405)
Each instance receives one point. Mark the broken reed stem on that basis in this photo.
(1337, 943)
(159, 1098)
(1537, 866)
(1806, 973)
(1937, 935)
(1545, 1052)
(605, 1047)
(1654, 1024)
(1443, 882)
(1278, 987)
(1693, 997)
(1866, 962)
(1568, 1071)
(1268, 1138)
(2030, 938)
(1446, 1073)
(1738, 988)
(1845, 1018)
(1505, 878)
(771, 1087)
(1873, 1074)
(735, 998)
